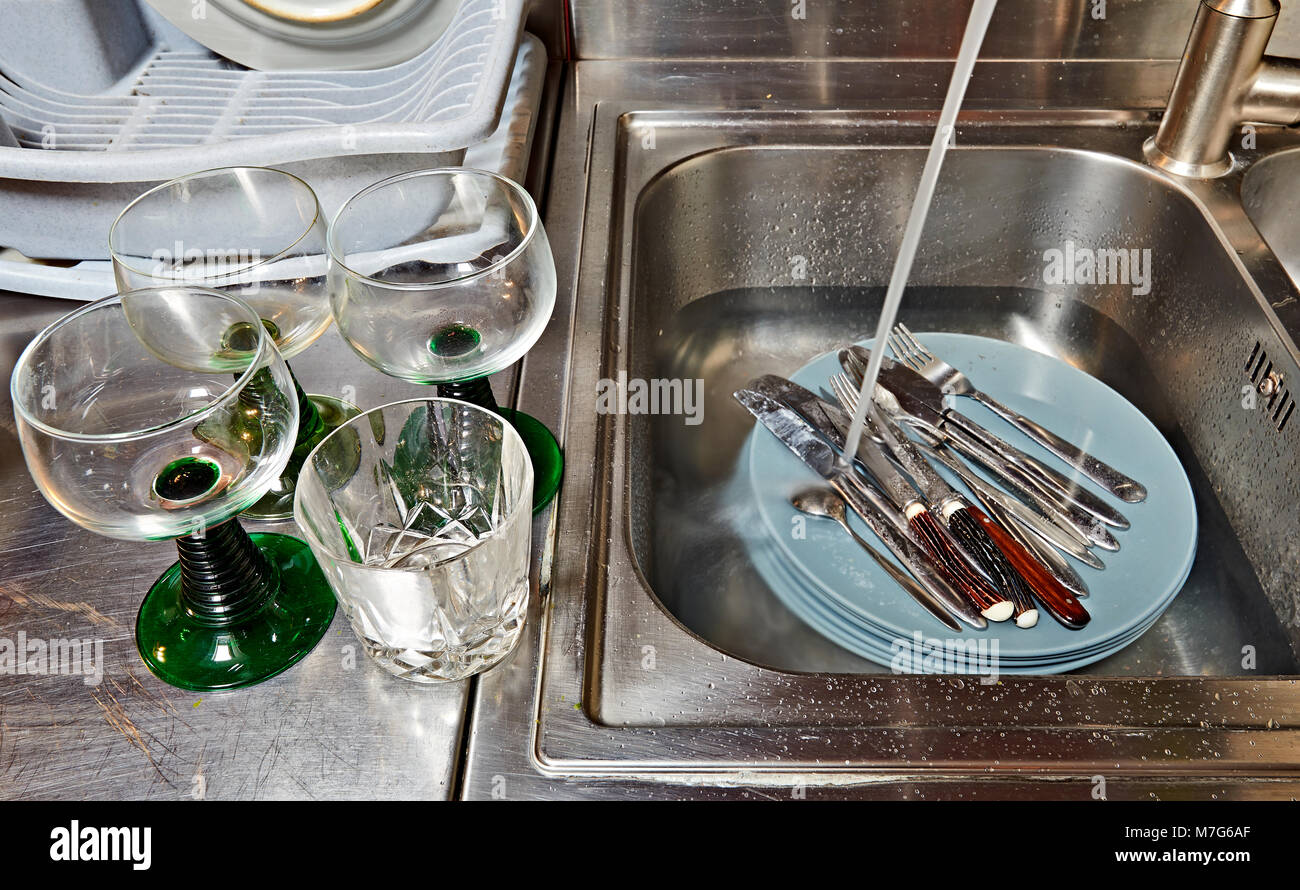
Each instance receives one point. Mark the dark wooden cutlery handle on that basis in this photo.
(1060, 603)
(949, 558)
(966, 529)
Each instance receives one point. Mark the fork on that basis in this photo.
(953, 382)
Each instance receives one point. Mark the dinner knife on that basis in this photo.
(1048, 555)
(1051, 536)
(963, 519)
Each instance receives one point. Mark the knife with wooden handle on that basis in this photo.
(1040, 549)
(1060, 603)
(1014, 523)
(1057, 537)
(957, 512)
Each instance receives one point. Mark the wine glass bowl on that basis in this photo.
(441, 275)
(256, 232)
(162, 413)
(147, 415)
(445, 276)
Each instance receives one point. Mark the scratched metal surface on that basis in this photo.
(333, 726)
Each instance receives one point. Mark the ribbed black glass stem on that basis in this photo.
(476, 392)
(224, 576)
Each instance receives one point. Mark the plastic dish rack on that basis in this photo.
(156, 105)
(505, 151)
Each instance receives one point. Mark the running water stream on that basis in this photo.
(976, 26)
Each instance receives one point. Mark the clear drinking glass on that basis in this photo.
(445, 276)
(253, 232)
(162, 413)
(419, 513)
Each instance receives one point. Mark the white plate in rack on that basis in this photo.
(277, 35)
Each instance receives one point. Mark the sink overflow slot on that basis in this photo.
(1270, 384)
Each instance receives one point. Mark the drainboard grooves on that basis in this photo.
(1280, 404)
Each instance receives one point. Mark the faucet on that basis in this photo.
(1224, 81)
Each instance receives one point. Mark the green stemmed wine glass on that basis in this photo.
(445, 276)
(162, 413)
(259, 234)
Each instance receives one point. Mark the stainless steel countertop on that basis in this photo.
(332, 726)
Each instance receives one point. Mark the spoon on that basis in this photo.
(824, 503)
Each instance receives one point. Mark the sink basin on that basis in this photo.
(981, 271)
(719, 244)
(1268, 194)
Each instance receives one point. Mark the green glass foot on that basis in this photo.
(210, 655)
(277, 504)
(548, 459)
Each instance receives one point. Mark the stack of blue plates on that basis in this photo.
(827, 580)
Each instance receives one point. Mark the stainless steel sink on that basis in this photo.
(981, 271)
(1268, 192)
(718, 239)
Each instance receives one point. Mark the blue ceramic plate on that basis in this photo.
(822, 575)
(902, 654)
(828, 617)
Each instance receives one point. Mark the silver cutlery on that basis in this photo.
(911, 388)
(951, 381)
(825, 503)
(948, 552)
(1005, 558)
(1057, 499)
(997, 505)
(1045, 553)
(797, 434)
(942, 499)
(1071, 521)
(1066, 540)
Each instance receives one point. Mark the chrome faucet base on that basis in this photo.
(1162, 161)
(1224, 81)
